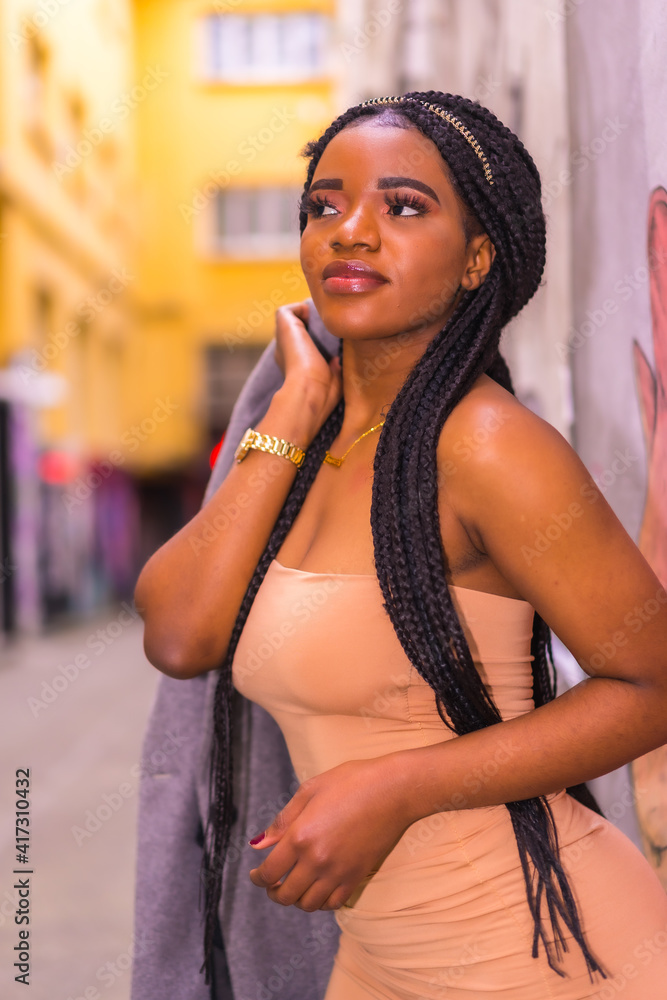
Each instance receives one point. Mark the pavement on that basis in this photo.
(73, 708)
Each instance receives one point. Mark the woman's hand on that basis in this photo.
(338, 828)
(302, 364)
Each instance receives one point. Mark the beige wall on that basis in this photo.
(510, 56)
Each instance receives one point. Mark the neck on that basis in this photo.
(373, 373)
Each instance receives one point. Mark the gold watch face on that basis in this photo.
(243, 447)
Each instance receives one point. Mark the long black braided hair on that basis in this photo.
(409, 558)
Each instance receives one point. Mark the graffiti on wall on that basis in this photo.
(649, 773)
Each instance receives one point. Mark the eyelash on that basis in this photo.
(311, 204)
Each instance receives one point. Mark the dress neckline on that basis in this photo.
(372, 576)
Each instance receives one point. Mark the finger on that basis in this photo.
(318, 897)
(279, 862)
(300, 884)
(261, 881)
(291, 335)
(335, 899)
(282, 820)
(265, 839)
(299, 309)
(295, 310)
(342, 894)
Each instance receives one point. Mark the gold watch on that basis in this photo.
(275, 446)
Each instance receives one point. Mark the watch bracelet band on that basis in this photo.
(255, 440)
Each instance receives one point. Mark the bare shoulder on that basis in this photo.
(489, 428)
(530, 505)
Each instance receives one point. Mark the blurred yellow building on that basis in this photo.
(67, 184)
(245, 86)
(149, 178)
(67, 292)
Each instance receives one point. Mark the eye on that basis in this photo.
(415, 205)
(407, 206)
(315, 205)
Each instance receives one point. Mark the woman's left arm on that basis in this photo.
(528, 501)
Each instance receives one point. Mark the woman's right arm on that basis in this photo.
(190, 590)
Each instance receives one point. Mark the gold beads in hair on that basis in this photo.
(456, 122)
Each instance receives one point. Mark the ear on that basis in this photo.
(480, 256)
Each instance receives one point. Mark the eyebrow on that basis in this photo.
(335, 183)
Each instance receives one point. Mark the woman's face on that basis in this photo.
(380, 199)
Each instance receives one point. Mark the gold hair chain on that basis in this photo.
(456, 122)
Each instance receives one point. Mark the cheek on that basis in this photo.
(431, 276)
(447, 263)
(443, 283)
(311, 254)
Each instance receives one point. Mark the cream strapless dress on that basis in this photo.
(446, 916)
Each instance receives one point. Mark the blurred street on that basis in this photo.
(80, 698)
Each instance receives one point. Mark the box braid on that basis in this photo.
(409, 558)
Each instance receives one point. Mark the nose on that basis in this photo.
(358, 227)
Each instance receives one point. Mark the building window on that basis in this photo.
(226, 372)
(263, 48)
(42, 318)
(257, 222)
(36, 96)
(72, 167)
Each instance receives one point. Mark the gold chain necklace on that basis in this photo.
(329, 458)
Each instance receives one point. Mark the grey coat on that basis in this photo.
(272, 951)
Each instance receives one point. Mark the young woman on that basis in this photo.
(388, 592)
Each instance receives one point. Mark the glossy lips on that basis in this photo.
(351, 276)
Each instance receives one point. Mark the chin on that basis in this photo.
(351, 318)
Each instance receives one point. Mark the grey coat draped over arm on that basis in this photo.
(272, 951)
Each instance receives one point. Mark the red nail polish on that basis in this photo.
(257, 839)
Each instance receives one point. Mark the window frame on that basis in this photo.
(256, 71)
